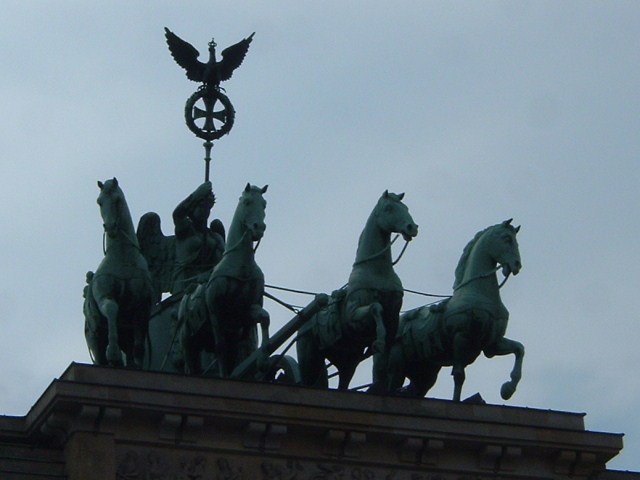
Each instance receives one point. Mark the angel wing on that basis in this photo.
(159, 251)
(186, 56)
(217, 226)
(233, 56)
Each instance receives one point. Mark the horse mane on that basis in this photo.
(462, 263)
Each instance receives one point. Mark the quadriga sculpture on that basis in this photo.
(366, 314)
(118, 295)
(473, 320)
(221, 315)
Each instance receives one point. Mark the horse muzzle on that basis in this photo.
(410, 232)
(511, 267)
(257, 231)
(110, 229)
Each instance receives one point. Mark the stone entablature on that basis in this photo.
(114, 423)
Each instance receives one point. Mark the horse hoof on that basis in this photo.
(114, 356)
(507, 390)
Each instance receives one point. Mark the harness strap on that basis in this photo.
(484, 275)
(387, 247)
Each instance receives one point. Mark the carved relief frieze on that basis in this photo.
(170, 464)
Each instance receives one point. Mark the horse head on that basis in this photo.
(504, 247)
(252, 211)
(393, 216)
(110, 201)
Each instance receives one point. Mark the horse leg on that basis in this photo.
(505, 346)
(380, 345)
(422, 380)
(94, 341)
(139, 337)
(386, 317)
(191, 358)
(396, 372)
(347, 370)
(460, 353)
(224, 354)
(109, 309)
(260, 316)
(313, 370)
(190, 348)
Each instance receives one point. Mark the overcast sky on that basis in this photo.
(479, 111)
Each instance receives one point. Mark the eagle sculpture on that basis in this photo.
(212, 72)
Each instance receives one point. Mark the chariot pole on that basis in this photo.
(260, 362)
(207, 159)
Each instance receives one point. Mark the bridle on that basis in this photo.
(381, 252)
(484, 275)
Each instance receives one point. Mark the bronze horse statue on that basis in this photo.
(221, 315)
(473, 320)
(118, 296)
(365, 315)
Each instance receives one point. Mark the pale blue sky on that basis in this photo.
(479, 111)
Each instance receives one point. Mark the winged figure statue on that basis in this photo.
(175, 261)
(213, 71)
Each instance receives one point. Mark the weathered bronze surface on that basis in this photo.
(365, 316)
(104, 424)
(222, 315)
(213, 71)
(189, 256)
(472, 321)
(209, 323)
(216, 122)
(118, 296)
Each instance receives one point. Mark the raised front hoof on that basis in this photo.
(507, 390)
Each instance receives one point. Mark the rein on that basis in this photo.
(484, 275)
(381, 252)
(229, 250)
(235, 247)
(133, 243)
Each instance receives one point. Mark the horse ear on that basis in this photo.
(247, 188)
(100, 185)
(400, 196)
(264, 189)
(518, 228)
(115, 182)
(385, 194)
(507, 222)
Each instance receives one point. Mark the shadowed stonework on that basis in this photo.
(102, 423)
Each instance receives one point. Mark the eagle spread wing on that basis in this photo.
(186, 56)
(233, 56)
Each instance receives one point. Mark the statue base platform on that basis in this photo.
(96, 423)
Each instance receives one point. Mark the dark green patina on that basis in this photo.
(472, 321)
(216, 122)
(365, 316)
(221, 315)
(118, 296)
(208, 325)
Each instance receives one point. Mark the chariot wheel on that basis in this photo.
(282, 369)
(209, 114)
